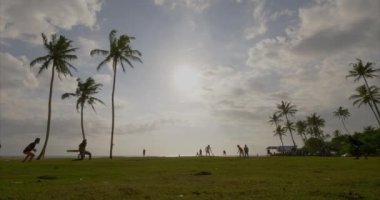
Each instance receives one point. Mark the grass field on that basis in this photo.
(192, 178)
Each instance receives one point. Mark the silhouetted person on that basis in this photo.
(246, 150)
(28, 150)
(200, 152)
(224, 153)
(240, 151)
(208, 150)
(356, 144)
(144, 151)
(82, 150)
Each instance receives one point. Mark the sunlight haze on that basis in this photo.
(213, 72)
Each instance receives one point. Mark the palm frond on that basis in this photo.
(99, 52)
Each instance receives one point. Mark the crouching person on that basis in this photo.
(28, 150)
(82, 150)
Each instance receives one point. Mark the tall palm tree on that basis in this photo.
(363, 96)
(286, 109)
(280, 131)
(84, 93)
(342, 114)
(59, 51)
(275, 119)
(301, 126)
(361, 70)
(314, 125)
(120, 52)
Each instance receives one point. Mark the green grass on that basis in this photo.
(175, 178)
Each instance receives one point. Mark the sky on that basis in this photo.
(213, 72)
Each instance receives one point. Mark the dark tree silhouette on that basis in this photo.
(280, 131)
(84, 93)
(365, 71)
(275, 119)
(120, 52)
(301, 129)
(314, 125)
(342, 114)
(59, 54)
(286, 109)
(365, 96)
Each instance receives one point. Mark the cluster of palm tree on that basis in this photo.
(284, 110)
(59, 54)
(366, 94)
(313, 124)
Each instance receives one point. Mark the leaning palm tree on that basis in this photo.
(280, 131)
(301, 126)
(342, 114)
(364, 96)
(59, 51)
(84, 93)
(286, 109)
(365, 71)
(120, 52)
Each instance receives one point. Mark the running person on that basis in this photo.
(28, 150)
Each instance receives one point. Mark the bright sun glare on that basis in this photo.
(186, 78)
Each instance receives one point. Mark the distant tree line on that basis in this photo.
(316, 142)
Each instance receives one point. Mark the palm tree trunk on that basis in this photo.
(344, 125)
(374, 103)
(113, 107)
(42, 153)
(282, 144)
(377, 118)
(290, 131)
(81, 121)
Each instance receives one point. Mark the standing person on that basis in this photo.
(28, 150)
(224, 153)
(246, 150)
(208, 150)
(82, 150)
(240, 151)
(144, 151)
(200, 152)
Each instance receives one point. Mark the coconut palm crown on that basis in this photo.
(342, 114)
(84, 93)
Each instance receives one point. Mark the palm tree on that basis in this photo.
(363, 96)
(59, 54)
(286, 109)
(314, 125)
(120, 52)
(275, 119)
(84, 93)
(365, 71)
(280, 131)
(342, 114)
(301, 126)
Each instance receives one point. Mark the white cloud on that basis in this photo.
(196, 5)
(86, 45)
(309, 63)
(26, 20)
(102, 78)
(15, 72)
(259, 21)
